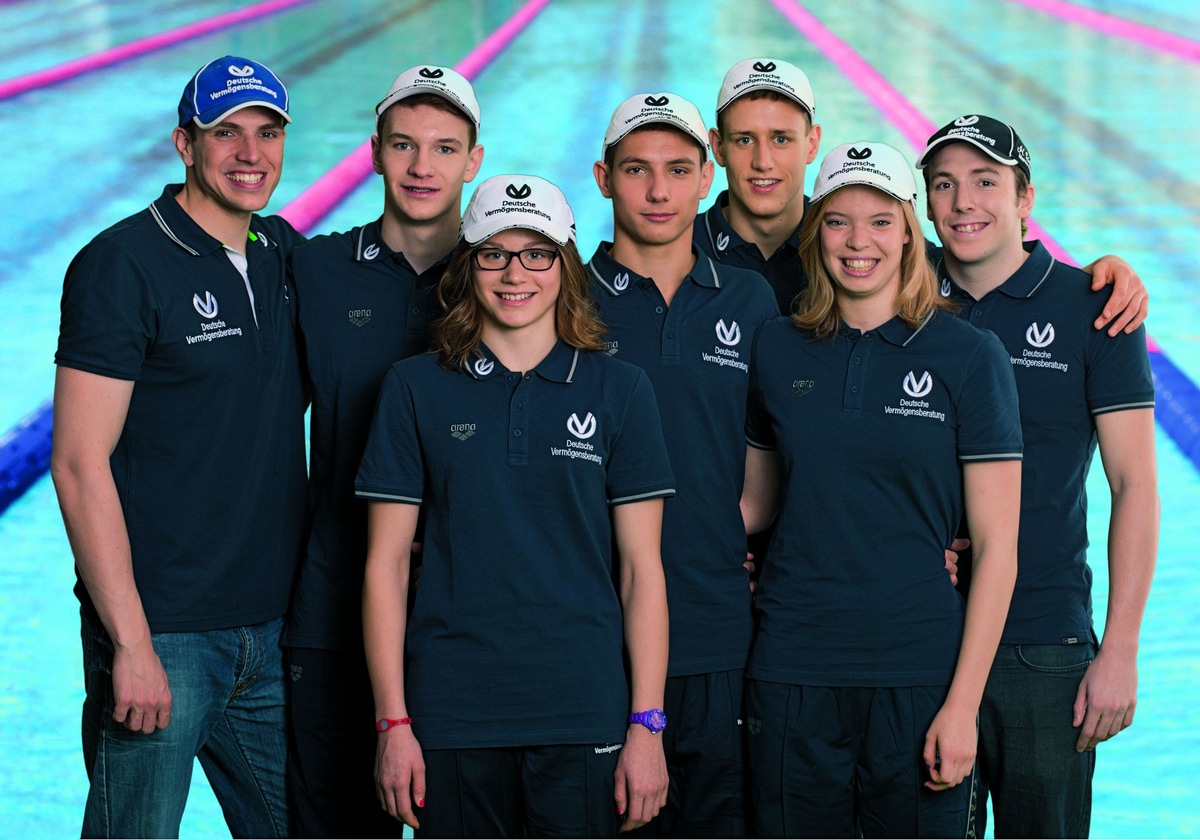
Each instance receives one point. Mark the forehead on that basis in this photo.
(250, 117)
(860, 198)
(417, 119)
(515, 238)
(960, 155)
(747, 113)
(658, 141)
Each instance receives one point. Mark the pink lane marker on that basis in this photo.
(331, 189)
(69, 70)
(1155, 39)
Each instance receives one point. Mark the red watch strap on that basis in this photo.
(384, 724)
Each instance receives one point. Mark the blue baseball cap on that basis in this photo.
(229, 84)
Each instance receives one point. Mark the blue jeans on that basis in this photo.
(1040, 787)
(227, 710)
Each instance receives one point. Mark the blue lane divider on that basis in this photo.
(1176, 405)
(25, 454)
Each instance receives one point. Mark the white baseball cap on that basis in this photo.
(651, 108)
(441, 81)
(504, 202)
(872, 164)
(766, 74)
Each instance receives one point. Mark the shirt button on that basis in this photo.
(853, 389)
(857, 360)
(517, 433)
(518, 405)
(670, 335)
(978, 312)
(416, 310)
(528, 376)
(658, 309)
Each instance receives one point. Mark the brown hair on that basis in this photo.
(458, 333)
(774, 96)
(433, 101)
(817, 309)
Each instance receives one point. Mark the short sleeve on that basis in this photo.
(759, 432)
(639, 467)
(1118, 372)
(989, 416)
(109, 315)
(392, 467)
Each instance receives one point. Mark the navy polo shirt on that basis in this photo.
(714, 237)
(696, 353)
(516, 632)
(1067, 372)
(361, 308)
(209, 467)
(872, 429)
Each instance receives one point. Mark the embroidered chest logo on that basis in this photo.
(207, 307)
(944, 288)
(917, 388)
(621, 281)
(582, 429)
(723, 354)
(729, 336)
(358, 317)
(1040, 337)
(462, 431)
(722, 241)
(212, 328)
(802, 387)
(577, 447)
(484, 366)
(371, 252)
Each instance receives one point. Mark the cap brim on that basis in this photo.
(241, 106)
(481, 231)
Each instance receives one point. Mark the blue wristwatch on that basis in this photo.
(653, 719)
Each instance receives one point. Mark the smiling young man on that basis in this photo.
(179, 465)
(688, 323)
(1053, 693)
(365, 299)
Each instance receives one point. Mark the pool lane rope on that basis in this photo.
(1147, 36)
(142, 46)
(1177, 399)
(25, 449)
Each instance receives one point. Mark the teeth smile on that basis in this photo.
(514, 296)
(245, 178)
(971, 228)
(763, 182)
(859, 265)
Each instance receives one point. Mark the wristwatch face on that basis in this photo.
(656, 720)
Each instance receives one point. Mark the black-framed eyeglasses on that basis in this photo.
(534, 259)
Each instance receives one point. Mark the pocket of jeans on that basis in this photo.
(1060, 659)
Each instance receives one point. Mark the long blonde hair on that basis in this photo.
(458, 334)
(817, 307)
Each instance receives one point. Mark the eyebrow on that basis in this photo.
(444, 141)
(675, 162)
